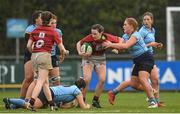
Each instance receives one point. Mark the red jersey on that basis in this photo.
(97, 44)
(44, 38)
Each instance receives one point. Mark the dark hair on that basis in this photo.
(46, 16)
(54, 16)
(80, 83)
(98, 27)
(36, 15)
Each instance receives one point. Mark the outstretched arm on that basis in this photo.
(81, 102)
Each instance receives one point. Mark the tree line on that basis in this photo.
(75, 17)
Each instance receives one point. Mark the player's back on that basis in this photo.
(44, 38)
(65, 94)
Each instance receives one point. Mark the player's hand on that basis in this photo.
(115, 51)
(67, 52)
(159, 45)
(84, 55)
(88, 106)
(61, 57)
(106, 44)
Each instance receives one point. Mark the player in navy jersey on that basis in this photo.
(28, 73)
(142, 59)
(42, 39)
(63, 96)
(97, 60)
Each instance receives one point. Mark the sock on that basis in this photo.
(17, 103)
(32, 100)
(114, 91)
(157, 100)
(51, 103)
(152, 100)
(84, 98)
(95, 98)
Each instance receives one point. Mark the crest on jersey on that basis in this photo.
(41, 35)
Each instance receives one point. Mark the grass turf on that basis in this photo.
(126, 102)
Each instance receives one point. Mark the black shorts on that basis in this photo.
(144, 62)
(27, 56)
(43, 98)
(55, 61)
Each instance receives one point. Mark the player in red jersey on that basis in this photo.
(97, 60)
(40, 44)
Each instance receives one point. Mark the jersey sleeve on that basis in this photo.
(57, 38)
(112, 38)
(59, 32)
(76, 92)
(86, 39)
(137, 36)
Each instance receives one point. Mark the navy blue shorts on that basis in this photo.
(43, 98)
(55, 61)
(144, 62)
(27, 56)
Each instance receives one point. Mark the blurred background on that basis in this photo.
(75, 18)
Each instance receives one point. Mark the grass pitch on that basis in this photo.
(126, 102)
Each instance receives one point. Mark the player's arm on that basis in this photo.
(60, 45)
(78, 47)
(121, 46)
(81, 102)
(62, 51)
(155, 44)
(29, 45)
(69, 105)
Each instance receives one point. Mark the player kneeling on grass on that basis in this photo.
(64, 97)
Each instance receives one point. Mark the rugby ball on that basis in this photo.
(86, 48)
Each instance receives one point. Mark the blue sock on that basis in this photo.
(152, 100)
(157, 100)
(17, 102)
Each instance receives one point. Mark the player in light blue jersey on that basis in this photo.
(28, 73)
(142, 59)
(63, 96)
(147, 31)
(55, 72)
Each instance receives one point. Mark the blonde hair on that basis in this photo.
(133, 22)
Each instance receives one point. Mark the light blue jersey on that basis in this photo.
(53, 51)
(65, 94)
(30, 28)
(148, 36)
(139, 47)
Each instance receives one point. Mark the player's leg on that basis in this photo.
(41, 64)
(13, 103)
(133, 82)
(48, 95)
(87, 67)
(54, 74)
(101, 73)
(42, 77)
(155, 85)
(30, 89)
(28, 73)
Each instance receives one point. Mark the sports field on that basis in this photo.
(126, 102)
